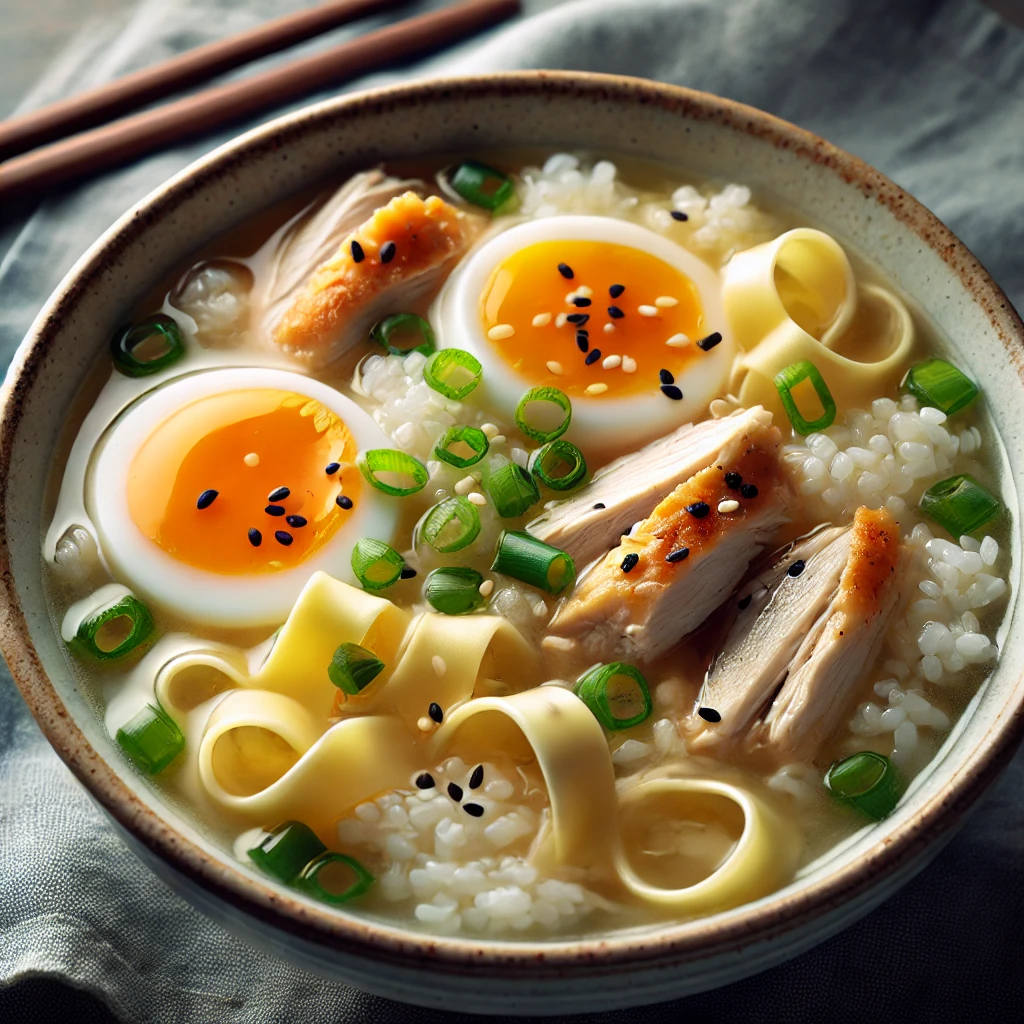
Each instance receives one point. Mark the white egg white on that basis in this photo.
(599, 421)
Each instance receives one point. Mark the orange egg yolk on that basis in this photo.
(634, 315)
(244, 445)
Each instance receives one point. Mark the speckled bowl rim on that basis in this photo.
(690, 942)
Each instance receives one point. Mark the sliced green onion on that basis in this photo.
(462, 447)
(147, 347)
(482, 185)
(353, 668)
(867, 781)
(318, 878)
(616, 693)
(960, 504)
(511, 488)
(449, 526)
(392, 471)
(941, 385)
(559, 465)
(531, 561)
(454, 589)
(151, 739)
(285, 853)
(404, 333)
(377, 565)
(543, 414)
(453, 372)
(116, 630)
(787, 379)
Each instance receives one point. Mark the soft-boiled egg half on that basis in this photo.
(217, 495)
(624, 321)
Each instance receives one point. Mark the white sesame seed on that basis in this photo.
(498, 439)
(490, 430)
(558, 643)
(584, 292)
(610, 362)
(678, 341)
(646, 310)
(542, 320)
(439, 665)
(499, 332)
(571, 298)
(665, 302)
(729, 505)
(476, 498)
(555, 367)
(596, 389)
(561, 320)
(633, 628)
(628, 364)
(486, 587)
(609, 328)
(465, 485)
(252, 459)
(424, 724)
(540, 609)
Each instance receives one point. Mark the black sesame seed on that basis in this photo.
(387, 252)
(581, 302)
(615, 313)
(283, 537)
(708, 343)
(699, 509)
(796, 568)
(578, 318)
(297, 521)
(679, 215)
(274, 510)
(566, 271)
(671, 391)
(425, 781)
(407, 573)
(748, 491)
(255, 537)
(679, 555)
(665, 376)
(475, 809)
(630, 562)
(343, 501)
(582, 342)
(206, 499)
(600, 504)
(331, 468)
(278, 494)
(616, 290)
(744, 602)
(357, 252)
(455, 792)
(709, 714)
(593, 357)
(477, 778)
(436, 713)
(733, 480)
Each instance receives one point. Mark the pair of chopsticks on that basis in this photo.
(122, 141)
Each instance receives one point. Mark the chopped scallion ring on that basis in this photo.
(353, 668)
(789, 378)
(404, 333)
(531, 561)
(321, 877)
(543, 414)
(377, 565)
(151, 739)
(461, 446)
(617, 694)
(481, 185)
(867, 781)
(147, 347)
(449, 526)
(511, 488)
(960, 504)
(453, 372)
(559, 465)
(116, 630)
(392, 471)
(941, 385)
(454, 589)
(285, 853)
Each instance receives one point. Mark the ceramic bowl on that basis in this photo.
(698, 133)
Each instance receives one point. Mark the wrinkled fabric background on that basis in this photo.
(932, 93)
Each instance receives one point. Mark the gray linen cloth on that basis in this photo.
(931, 93)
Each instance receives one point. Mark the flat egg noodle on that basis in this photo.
(814, 271)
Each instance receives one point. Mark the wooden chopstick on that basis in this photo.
(123, 141)
(86, 109)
